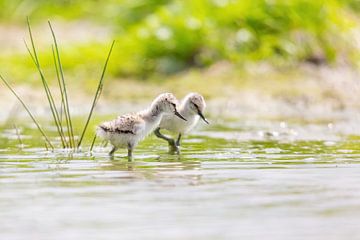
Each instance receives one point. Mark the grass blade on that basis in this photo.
(66, 101)
(61, 93)
(28, 111)
(97, 94)
(92, 143)
(49, 95)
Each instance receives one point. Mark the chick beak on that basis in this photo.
(179, 115)
(202, 117)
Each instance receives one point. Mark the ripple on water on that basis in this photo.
(227, 183)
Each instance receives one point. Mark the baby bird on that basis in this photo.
(126, 131)
(192, 108)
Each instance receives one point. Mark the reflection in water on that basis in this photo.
(227, 183)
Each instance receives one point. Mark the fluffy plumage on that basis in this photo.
(192, 107)
(127, 130)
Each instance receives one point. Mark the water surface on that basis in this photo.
(243, 179)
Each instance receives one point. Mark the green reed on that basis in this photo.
(64, 95)
(49, 95)
(59, 114)
(47, 141)
(97, 94)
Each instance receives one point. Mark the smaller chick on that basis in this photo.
(192, 107)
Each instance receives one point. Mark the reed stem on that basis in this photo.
(49, 95)
(28, 111)
(61, 94)
(97, 95)
(66, 101)
(92, 143)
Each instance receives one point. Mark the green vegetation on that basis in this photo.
(166, 37)
(29, 112)
(96, 97)
(66, 135)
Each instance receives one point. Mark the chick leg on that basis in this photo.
(130, 152)
(111, 153)
(178, 140)
(172, 144)
(160, 135)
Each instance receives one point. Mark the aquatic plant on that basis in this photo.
(28, 111)
(97, 95)
(60, 114)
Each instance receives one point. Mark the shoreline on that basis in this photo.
(309, 92)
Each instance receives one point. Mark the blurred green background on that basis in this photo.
(159, 38)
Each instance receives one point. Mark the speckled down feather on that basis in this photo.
(128, 130)
(126, 124)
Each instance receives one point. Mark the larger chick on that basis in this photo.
(128, 130)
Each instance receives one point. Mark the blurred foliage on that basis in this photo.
(159, 36)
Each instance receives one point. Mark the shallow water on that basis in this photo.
(250, 179)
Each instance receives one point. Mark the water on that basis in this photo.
(248, 179)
